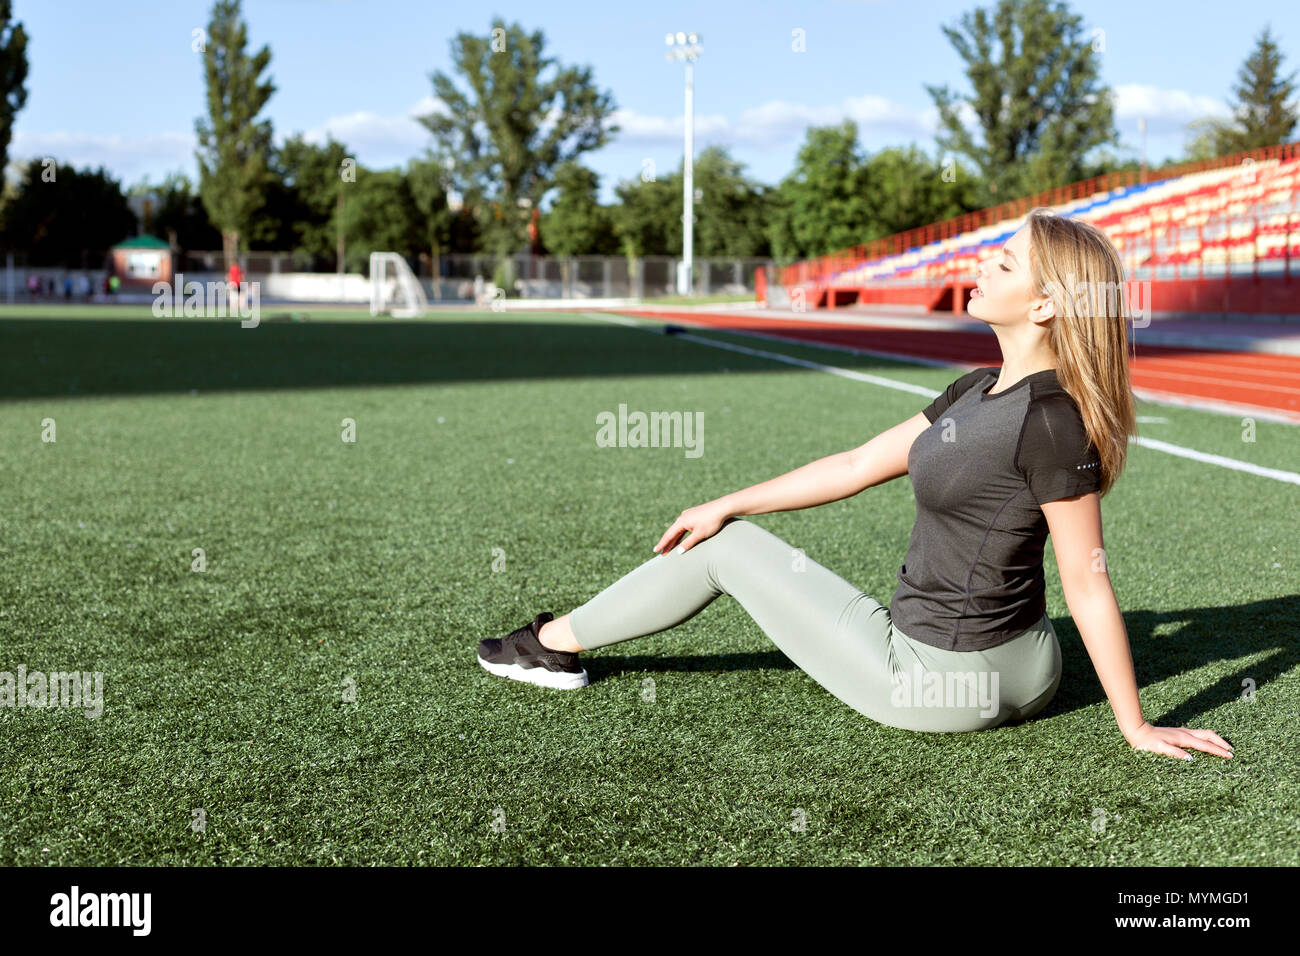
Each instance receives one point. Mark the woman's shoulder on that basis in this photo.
(1053, 423)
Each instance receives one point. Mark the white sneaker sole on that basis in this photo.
(537, 675)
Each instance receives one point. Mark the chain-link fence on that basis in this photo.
(533, 277)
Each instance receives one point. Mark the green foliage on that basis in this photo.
(378, 216)
(13, 74)
(234, 146)
(822, 205)
(1109, 162)
(1262, 116)
(648, 216)
(65, 217)
(836, 197)
(729, 211)
(426, 179)
(178, 215)
(729, 208)
(906, 189)
(389, 211)
(1038, 100)
(503, 276)
(465, 230)
(301, 212)
(532, 125)
(577, 224)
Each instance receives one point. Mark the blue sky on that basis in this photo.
(118, 84)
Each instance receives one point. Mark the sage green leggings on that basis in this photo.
(843, 639)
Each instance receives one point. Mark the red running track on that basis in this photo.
(1237, 381)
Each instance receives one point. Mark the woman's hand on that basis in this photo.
(1171, 741)
(701, 521)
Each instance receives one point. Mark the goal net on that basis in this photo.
(394, 288)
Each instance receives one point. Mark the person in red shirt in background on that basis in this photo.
(234, 277)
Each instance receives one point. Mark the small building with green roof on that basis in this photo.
(141, 261)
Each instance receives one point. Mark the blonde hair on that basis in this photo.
(1078, 267)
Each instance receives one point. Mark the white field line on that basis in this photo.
(1155, 444)
(1275, 473)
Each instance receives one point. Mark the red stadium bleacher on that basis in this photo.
(1233, 221)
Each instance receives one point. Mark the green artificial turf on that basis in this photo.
(332, 565)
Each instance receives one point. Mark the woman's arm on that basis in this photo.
(1075, 527)
(834, 477)
(837, 476)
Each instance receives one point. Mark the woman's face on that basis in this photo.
(1002, 288)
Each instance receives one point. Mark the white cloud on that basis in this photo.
(375, 140)
(1165, 110)
(378, 140)
(641, 128)
(127, 158)
(777, 122)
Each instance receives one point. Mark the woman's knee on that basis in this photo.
(732, 528)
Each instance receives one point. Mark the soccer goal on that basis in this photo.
(394, 288)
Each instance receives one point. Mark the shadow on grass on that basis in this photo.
(1202, 635)
(123, 356)
(77, 357)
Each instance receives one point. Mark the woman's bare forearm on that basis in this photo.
(1100, 624)
(816, 483)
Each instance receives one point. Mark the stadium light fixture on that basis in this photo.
(686, 48)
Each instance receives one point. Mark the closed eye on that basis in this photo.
(1003, 268)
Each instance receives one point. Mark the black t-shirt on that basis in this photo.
(973, 575)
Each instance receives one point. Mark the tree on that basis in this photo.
(905, 188)
(426, 178)
(378, 216)
(837, 197)
(647, 218)
(13, 74)
(65, 217)
(1262, 115)
(577, 224)
(308, 186)
(821, 205)
(730, 211)
(234, 146)
(178, 215)
(1039, 105)
(508, 134)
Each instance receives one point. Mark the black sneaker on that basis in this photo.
(521, 656)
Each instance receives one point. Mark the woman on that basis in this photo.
(1001, 459)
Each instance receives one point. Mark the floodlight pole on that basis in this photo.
(687, 47)
(688, 184)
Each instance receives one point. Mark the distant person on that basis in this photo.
(84, 286)
(34, 285)
(234, 277)
(67, 288)
(114, 283)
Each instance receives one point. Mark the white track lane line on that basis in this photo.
(1276, 474)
